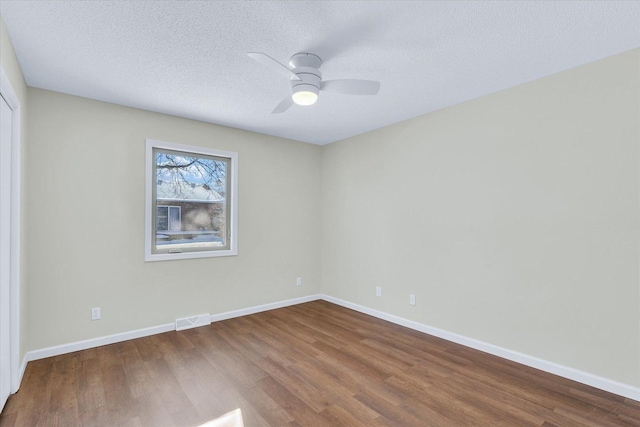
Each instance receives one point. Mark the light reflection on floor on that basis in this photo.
(230, 419)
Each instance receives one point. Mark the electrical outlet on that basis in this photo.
(412, 299)
(378, 291)
(299, 281)
(95, 313)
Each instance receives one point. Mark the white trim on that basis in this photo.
(97, 342)
(611, 386)
(264, 307)
(153, 330)
(148, 216)
(23, 367)
(7, 92)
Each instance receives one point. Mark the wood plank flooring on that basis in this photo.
(314, 364)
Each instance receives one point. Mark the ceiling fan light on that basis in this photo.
(305, 94)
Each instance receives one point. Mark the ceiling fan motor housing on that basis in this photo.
(306, 67)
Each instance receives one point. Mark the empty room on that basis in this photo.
(319, 213)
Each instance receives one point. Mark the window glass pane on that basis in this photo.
(190, 199)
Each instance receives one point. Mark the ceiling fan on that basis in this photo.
(306, 81)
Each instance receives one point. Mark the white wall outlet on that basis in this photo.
(412, 299)
(378, 291)
(299, 281)
(95, 313)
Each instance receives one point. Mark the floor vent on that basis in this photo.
(193, 322)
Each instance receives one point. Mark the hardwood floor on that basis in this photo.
(315, 364)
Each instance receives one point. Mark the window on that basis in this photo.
(191, 202)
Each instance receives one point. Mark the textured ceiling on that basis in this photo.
(188, 58)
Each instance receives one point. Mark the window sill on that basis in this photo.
(189, 255)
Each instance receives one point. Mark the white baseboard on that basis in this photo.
(21, 369)
(611, 386)
(97, 342)
(139, 333)
(264, 307)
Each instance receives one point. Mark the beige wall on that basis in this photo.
(11, 66)
(86, 167)
(513, 218)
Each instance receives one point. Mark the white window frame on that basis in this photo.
(232, 200)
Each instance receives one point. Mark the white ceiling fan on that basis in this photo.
(306, 82)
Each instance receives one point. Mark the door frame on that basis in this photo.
(7, 92)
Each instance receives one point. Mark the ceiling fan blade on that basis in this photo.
(283, 105)
(351, 86)
(274, 65)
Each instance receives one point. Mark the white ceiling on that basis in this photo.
(188, 58)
